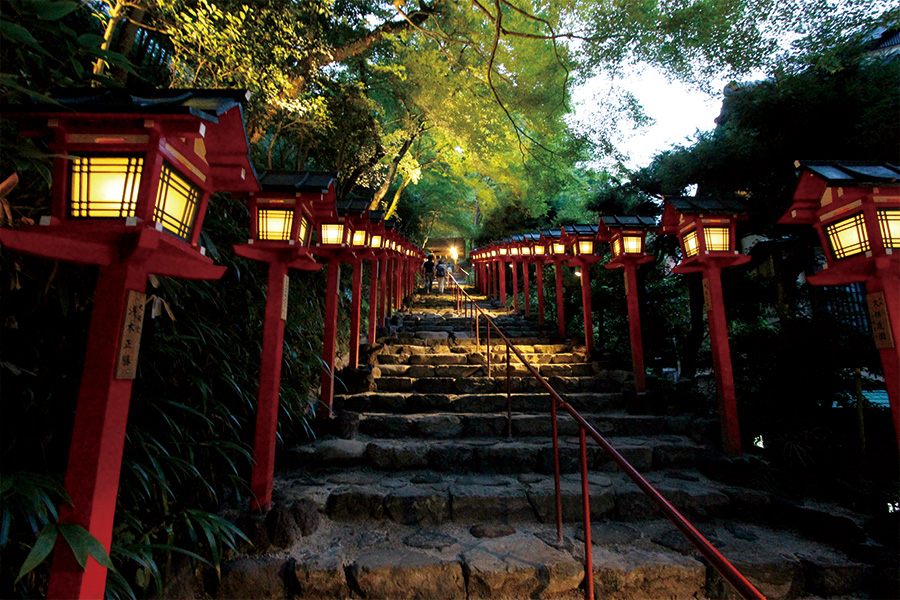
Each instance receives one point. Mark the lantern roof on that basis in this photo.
(636, 222)
(518, 238)
(551, 233)
(532, 237)
(849, 173)
(816, 176)
(676, 206)
(219, 112)
(580, 230)
(297, 181)
(376, 215)
(353, 207)
(204, 104)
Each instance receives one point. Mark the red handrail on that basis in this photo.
(706, 549)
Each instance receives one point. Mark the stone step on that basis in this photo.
(484, 455)
(455, 425)
(480, 562)
(607, 381)
(396, 362)
(423, 366)
(431, 498)
(438, 338)
(400, 402)
(465, 347)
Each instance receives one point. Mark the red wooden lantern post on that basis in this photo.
(557, 254)
(280, 225)
(582, 240)
(627, 240)
(502, 253)
(527, 252)
(706, 232)
(377, 235)
(131, 181)
(855, 208)
(332, 245)
(357, 218)
(539, 253)
(513, 249)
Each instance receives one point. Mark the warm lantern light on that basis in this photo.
(359, 238)
(717, 239)
(303, 231)
(503, 251)
(539, 250)
(105, 186)
(559, 248)
(376, 241)
(577, 271)
(526, 251)
(454, 253)
(848, 237)
(274, 223)
(632, 243)
(585, 247)
(889, 223)
(691, 246)
(331, 233)
(514, 251)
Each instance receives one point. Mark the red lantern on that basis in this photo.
(706, 232)
(855, 208)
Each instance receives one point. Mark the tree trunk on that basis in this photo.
(392, 172)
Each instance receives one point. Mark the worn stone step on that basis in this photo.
(461, 338)
(396, 361)
(484, 455)
(420, 347)
(432, 498)
(454, 425)
(607, 381)
(472, 562)
(401, 402)
(460, 365)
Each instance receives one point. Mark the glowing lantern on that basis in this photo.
(855, 208)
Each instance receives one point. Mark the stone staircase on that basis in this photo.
(425, 494)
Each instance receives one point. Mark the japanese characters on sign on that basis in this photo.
(881, 325)
(130, 340)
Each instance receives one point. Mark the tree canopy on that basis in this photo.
(394, 96)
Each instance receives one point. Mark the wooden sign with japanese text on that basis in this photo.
(130, 340)
(881, 324)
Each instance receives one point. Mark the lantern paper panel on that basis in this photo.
(717, 239)
(331, 234)
(633, 243)
(104, 186)
(848, 237)
(274, 223)
(691, 245)
(176, 203)
(889, 223)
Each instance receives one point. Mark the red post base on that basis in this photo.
(329, 339)
(721, 351)
(586, 307)
(373, 299)
(98, 436)
(515, 285)
(539, 279)
(634, 327)
(501, 280)
(261, 478)
(560, 312)
(356, 304)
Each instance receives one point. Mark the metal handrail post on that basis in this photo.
(586, 510)
(508, 396)
(721, 564)
(556, 485)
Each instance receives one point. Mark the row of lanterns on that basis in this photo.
(855, 208)
(132, 180)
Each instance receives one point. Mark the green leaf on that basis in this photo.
(83, 544)
(17, 33)
(53, 11)
(41, 549)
